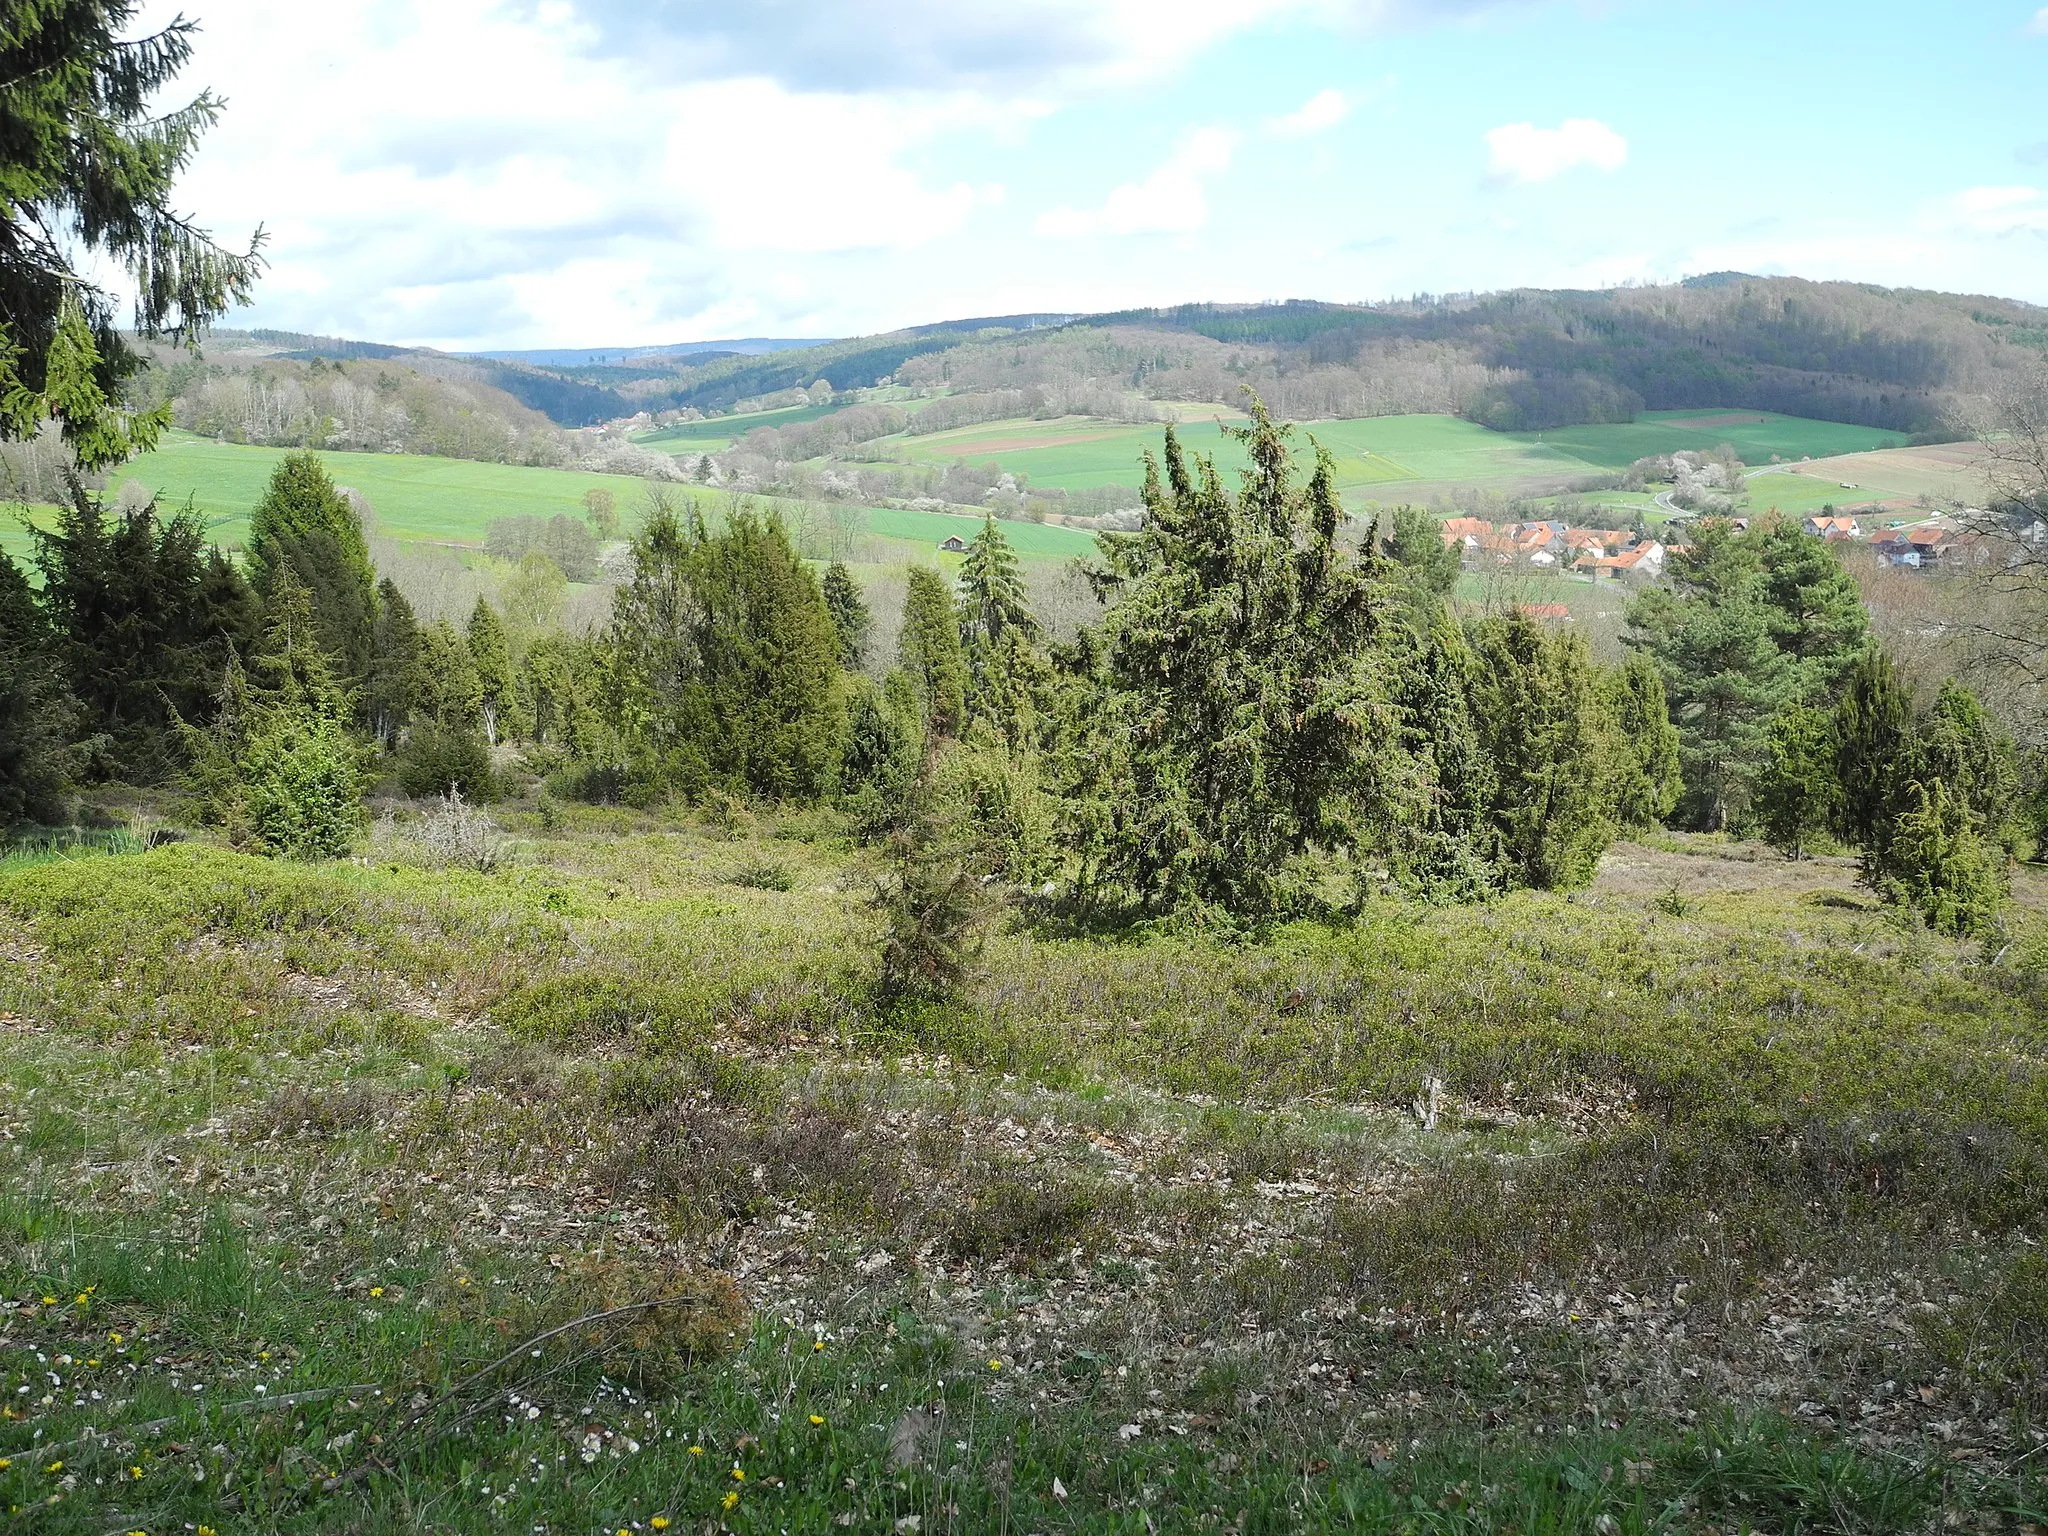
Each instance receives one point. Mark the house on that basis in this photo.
(1832, 528)
(953, 544)
(1918, 547)
(1547, 613)
(1466, 531)
(1644, 562)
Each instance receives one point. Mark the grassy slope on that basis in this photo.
(1389, 456)
(454, 500)
(1703, 1239)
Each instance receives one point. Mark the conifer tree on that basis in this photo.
(992, 598)
(303, 522)
(1648, 781)
(850, 618)
(89, 158)
(393, 661)
(1539, 719)
(1233, 734)
(1442, 836)
(445, 688)
(1938, 866)
(1798, 795)
(36, 712)
(1424, 567)
(1960, 746)
(144, 614)
(492, 658)
(929, 649)
(1817, 615)
(1876, 758)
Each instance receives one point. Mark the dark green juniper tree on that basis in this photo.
(394, 648)
(37, 712)
(850, 618)
(88, 164)
(304, 523)
(1798, 796)
(929, 651)
(1876, 759)
(1234, 720)
(145, 614)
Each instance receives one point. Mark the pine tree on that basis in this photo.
(444, 687)
(1424, 567)
(850, 618)
(1817, 615)
(929, 649)
(1876, 759)
(1648, 780)
(292, 672)
(1798, 795)
(89, 157)
(1442, 837)
(492, 658)
(37, 714)
(144, 615)
(991, 584)
(393, 660)
(303, 522)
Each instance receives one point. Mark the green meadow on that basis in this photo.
(420, 499)
(1756, 436)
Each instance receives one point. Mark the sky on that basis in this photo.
(475, 174)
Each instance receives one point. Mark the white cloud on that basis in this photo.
(1172, 200)
(1525, 153)
(1320, 113)
(2039, 25)
(1995, 211)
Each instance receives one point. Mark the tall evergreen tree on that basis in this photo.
(992, 598)
(36, 711)
(145, 614)
(1537, 708)
(850, 618)
(732, 657)
(89, 158)
(303, 522)
(1713, 637)
(1876, 758)
(1960, 746)
(1424, 567)
(445, 688)
(1648, 779)
(1798, 795)
(393, 659)
(1234, 727)
(928, 647)
(1817, 615)
(492, 658)
(1441, 834)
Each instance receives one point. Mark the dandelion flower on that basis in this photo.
(92, 1362)
(732, 1498)
(5, 1463)
(376, 1290)
(54, 1467)
(659, 1522)
(739, 1474)
(817, 1422)
(696, 1450)
(135, 1472)
(49, 1301)
(995, 1365)
(818, 1347)
(115, 1338)
(207, 1530)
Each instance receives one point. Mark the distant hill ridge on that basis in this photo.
(1522, 359)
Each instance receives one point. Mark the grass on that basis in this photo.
(1725, 1222)
(1392, 457)
(720, 432)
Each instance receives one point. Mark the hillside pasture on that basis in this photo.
(1895, 479)
(1756, 436)
(717, 433)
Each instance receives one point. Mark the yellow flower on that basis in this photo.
(85, 1298)
(376, 1290)
(92, 1362)
(5, 1463)
(739, 1475)
(659, 1522)
(49, 1301)
(816, 1422)
(135, 1472)
(818, 1347)
(696, 1450)
(114, 1338)
(732, 1498)
(55, 1466)
(262, 1354)
(995, 1365)
(207, 1530)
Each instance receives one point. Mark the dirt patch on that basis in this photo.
(1722, 869)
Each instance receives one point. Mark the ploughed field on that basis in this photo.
(1708, 1199)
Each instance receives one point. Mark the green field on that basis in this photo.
(721, 432)
(452, 501)
(1754, 435)
(1376, 456)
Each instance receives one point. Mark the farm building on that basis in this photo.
(1836, 527)
(953, 544)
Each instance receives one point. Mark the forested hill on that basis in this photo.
(1523, 359)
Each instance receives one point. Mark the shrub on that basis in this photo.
(437, 759)
(1940, 867)
(300, 787)
(456, 832)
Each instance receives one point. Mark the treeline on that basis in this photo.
(1264, 721)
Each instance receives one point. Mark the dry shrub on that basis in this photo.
(703, 1316)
